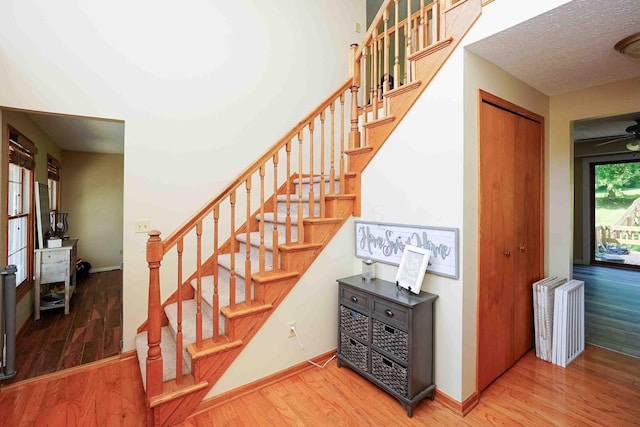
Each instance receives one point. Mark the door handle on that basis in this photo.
(507, 253)
(522, 248)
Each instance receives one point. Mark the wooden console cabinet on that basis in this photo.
(55, 265)
(385, 334)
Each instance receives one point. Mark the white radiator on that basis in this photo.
(568, 322)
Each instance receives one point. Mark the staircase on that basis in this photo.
(236, 259)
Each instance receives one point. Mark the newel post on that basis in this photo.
(354, 134)
(154, 356)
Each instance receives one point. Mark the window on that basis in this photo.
(20, 212)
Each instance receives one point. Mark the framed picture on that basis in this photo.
(413, 265)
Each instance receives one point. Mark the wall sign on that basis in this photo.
(385, 243)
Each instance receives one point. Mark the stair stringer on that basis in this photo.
(426, 64)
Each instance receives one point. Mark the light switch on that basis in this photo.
(143, 226)
(357, 27)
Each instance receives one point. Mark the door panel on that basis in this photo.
(496, 228)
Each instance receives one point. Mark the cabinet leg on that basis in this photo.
(339, 363)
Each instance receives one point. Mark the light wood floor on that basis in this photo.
(612, 316)
(599, 388)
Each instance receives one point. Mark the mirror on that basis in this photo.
(43, 221)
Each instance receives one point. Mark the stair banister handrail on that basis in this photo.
(172, 239)
(374, 24)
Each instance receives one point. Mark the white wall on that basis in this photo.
(203, 87)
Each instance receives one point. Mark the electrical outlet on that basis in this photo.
(143, 226)
(290, 327)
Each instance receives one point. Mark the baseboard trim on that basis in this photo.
(230, 395)
(101, 269)
(461, 409)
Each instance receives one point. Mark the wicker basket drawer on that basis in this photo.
(354, 351)
(357, 324)
(389, 373)
(390, 339)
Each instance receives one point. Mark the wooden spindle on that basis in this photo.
(287, 220)
(275, 212)
(408, 51)
(322, 153)
(155, 252)
(435, 22)
(354, 134)
(396, 59)
(199, 284)
(385, 55)
(179, 337)
(247, 260)
(342, 165)
(372, 60)
(262, 248)
(300, 217)
(311, 180)
(332, 169)
(375, 80)
(216, 301)
(422, 27)
(232, 241)
(366, 91)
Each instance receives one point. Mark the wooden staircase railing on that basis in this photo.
(304, 155)
(330, 146)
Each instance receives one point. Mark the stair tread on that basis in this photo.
(189, 309)
(211, 347)
(224, 260)
(282, 198)
(168, 348)
(241, 310)
(282, 219)
(223, 291)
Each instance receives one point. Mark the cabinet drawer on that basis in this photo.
(357, 324)
(355, 298)
(54, 272)
(52, 257)
(392, 313)
(390, 373)
(390, 339)
(354, 351)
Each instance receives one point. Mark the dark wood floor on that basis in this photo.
(612, 307)
(91, 331)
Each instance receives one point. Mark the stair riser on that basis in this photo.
(282, 209)
(316, 187)
(254, 254)
(282, 230)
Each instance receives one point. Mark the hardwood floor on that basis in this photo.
(91, 331)
(612, 317)
(601, 387)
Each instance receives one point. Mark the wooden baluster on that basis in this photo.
(396, 59)
(408, 51)
(435, 22)
(216, 301)
(287, 219)
(342, 165)
(375, 80)
(422, 29)
(366, 92)
(232, 240)
(155, 251)
(385, 56)
(247, 260)
(311, 194)
(332, 168)
(354, 134)
(300, 218)
(322, 185)
(262, 248)
(275, 213)
(199, 284)
(372, 60)
(179, 331)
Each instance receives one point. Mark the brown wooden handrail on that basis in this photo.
(172, 239)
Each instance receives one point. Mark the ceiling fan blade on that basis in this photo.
(614, 140)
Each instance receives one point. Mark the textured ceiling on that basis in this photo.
(568, 48)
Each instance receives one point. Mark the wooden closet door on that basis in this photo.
(528, 230)
(496, 234)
